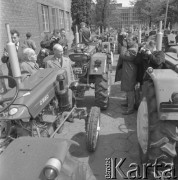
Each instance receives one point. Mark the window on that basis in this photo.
(67, 24)
(54, 18)
(45, 18)
(61, 18)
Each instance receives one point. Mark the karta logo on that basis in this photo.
(160, 171)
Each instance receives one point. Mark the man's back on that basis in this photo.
(85, 35)
(30, 43)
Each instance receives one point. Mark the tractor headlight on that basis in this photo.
(13, 111)
(52, 169)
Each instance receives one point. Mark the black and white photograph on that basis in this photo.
(88, 89)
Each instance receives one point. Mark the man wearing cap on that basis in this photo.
(85, 34)
(29, 42)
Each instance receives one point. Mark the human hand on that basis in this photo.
(6, 54)
(148, 52)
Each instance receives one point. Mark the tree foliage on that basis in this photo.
(102, 13)
(154, 11)
(80, 12)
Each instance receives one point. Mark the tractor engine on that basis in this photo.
(81, 64)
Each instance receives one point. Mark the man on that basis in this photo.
(50, 40)
(128, 77)
(58, 61)
(85, 34)
(148, 56)
(29, 66)
(63, 40)
(19, 47)
(29, 42)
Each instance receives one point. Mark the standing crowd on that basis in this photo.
(134, 59)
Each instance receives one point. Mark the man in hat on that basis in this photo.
(85, 34)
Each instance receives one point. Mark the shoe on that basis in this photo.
(128, 112)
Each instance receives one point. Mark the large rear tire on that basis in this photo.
(157, 138)
(93, 127)
(102, 90)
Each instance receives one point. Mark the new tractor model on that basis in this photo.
(93, 68)
(28, 158)
(157, 119)
(39, 105)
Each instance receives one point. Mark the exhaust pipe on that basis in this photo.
(13, 58)
(159, 37)
(77, 35)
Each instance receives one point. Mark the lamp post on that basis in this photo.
(167, 5)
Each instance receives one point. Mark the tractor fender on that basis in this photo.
(98, 64)
(22, 113)
(165, 83)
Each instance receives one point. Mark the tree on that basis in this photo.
(80, 12)
(102, 13)
(149, 10)
(172, 11)
(154, 10)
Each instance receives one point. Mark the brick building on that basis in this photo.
(35, 16)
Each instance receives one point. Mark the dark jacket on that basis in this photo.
(155, 60)
(49, 41)
(20, 56)
(30, 43)
(129, 69)
(85, 35)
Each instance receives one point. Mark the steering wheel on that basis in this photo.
(11, 99)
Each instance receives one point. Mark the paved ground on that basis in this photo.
(117, 135)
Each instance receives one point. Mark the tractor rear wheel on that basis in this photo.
(157, 138)
(93, 127)
(102, 90)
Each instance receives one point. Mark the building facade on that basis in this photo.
(35, 16)
(125, 17)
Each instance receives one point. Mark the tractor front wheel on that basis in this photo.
(157, 138)
(102, 90)
(93, 128)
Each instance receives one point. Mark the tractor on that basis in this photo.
(92, 69)
(157, 118)
(33, 158)
(39, 105)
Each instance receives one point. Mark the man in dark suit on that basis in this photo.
(19, 47)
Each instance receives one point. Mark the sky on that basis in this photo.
(125, 3)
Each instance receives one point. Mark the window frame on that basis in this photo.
(45, 18)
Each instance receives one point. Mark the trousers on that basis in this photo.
(131, 99)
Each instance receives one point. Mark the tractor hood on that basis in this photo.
(35, 93)
(25, 159)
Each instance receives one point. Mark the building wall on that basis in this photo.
(26, 16)
(127, 17)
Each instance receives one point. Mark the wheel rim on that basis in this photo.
(109, 83)
(97, 133)
(142, 125)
